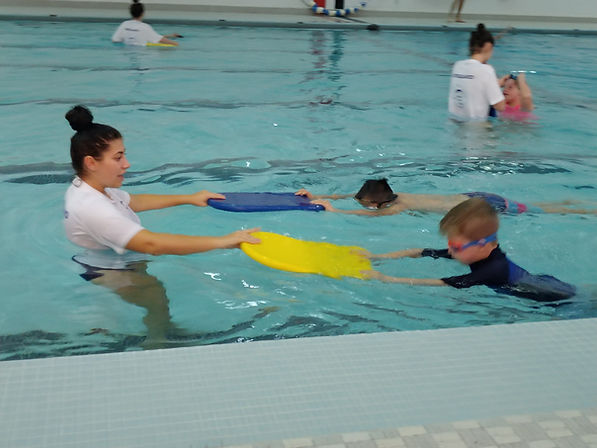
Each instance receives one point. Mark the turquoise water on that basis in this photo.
(243, 109)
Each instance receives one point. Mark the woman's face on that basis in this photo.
(511, 91)
(109, 170)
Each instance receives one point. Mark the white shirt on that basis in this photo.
(473, 89)
(135, 32)
(96, 221)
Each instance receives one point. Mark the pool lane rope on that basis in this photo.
(320, 7)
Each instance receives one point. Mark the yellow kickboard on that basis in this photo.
(311, 257)
(149, 44)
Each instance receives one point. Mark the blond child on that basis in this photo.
(471, 229)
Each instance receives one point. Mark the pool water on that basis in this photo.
(266, 109)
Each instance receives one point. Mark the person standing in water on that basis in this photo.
(136, 32)
(102, 218)
(474, 87)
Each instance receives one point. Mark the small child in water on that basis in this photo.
(378, 199)
(471, 229)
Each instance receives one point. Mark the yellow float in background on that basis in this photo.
(309, 257)
(149, 44)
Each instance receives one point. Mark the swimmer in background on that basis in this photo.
(102, 218)
(135, 32)
(471, 229)
(519, 99)
(474, 87)
(377, 197)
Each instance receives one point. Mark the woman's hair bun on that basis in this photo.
(480, 27)
(135, 1)
(79, 118)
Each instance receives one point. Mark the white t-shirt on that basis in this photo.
(473, 88)
(96, 221)
(135, 32)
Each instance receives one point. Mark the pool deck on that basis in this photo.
(299, 18)
(520, 385)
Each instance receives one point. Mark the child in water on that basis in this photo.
(519, 99)
(471, 229)
(377, 197)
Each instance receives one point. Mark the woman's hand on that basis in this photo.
(304, 192)
(200, 198)
(233, 240)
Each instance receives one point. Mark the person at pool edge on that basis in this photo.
(136, 32)
(471, 229)
(101, 218)
(474, 88)
(379, 199)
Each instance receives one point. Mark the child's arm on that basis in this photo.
(376, 212)
(412, 253)
(304, 192)
(526, 97)
(409, 281)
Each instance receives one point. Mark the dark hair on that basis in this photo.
(91, 139)
(376, 190)
(137, 9)
(479, 37)
(474, 219)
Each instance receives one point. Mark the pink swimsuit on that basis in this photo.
(514, 113)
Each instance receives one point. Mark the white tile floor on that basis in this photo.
(294, 391)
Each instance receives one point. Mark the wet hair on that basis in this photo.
(91, 139)
(137, 9)
(376, 190)
(473, 219)
(478, 39)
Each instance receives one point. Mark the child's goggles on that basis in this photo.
(459, 247)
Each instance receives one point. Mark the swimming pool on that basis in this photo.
(258, 109)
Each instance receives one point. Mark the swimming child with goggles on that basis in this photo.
(471, 229)
(377, 197)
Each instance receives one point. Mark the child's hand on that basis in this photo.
(304, 192)
(372, 275)
(361, 253)
(326, 204)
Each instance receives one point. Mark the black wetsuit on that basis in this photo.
(504, 276)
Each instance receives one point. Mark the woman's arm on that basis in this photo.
(165, 40)
(153, 243)
(142, 202)
(375, 275)
(526, 97)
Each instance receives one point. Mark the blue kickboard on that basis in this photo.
(263, 202)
